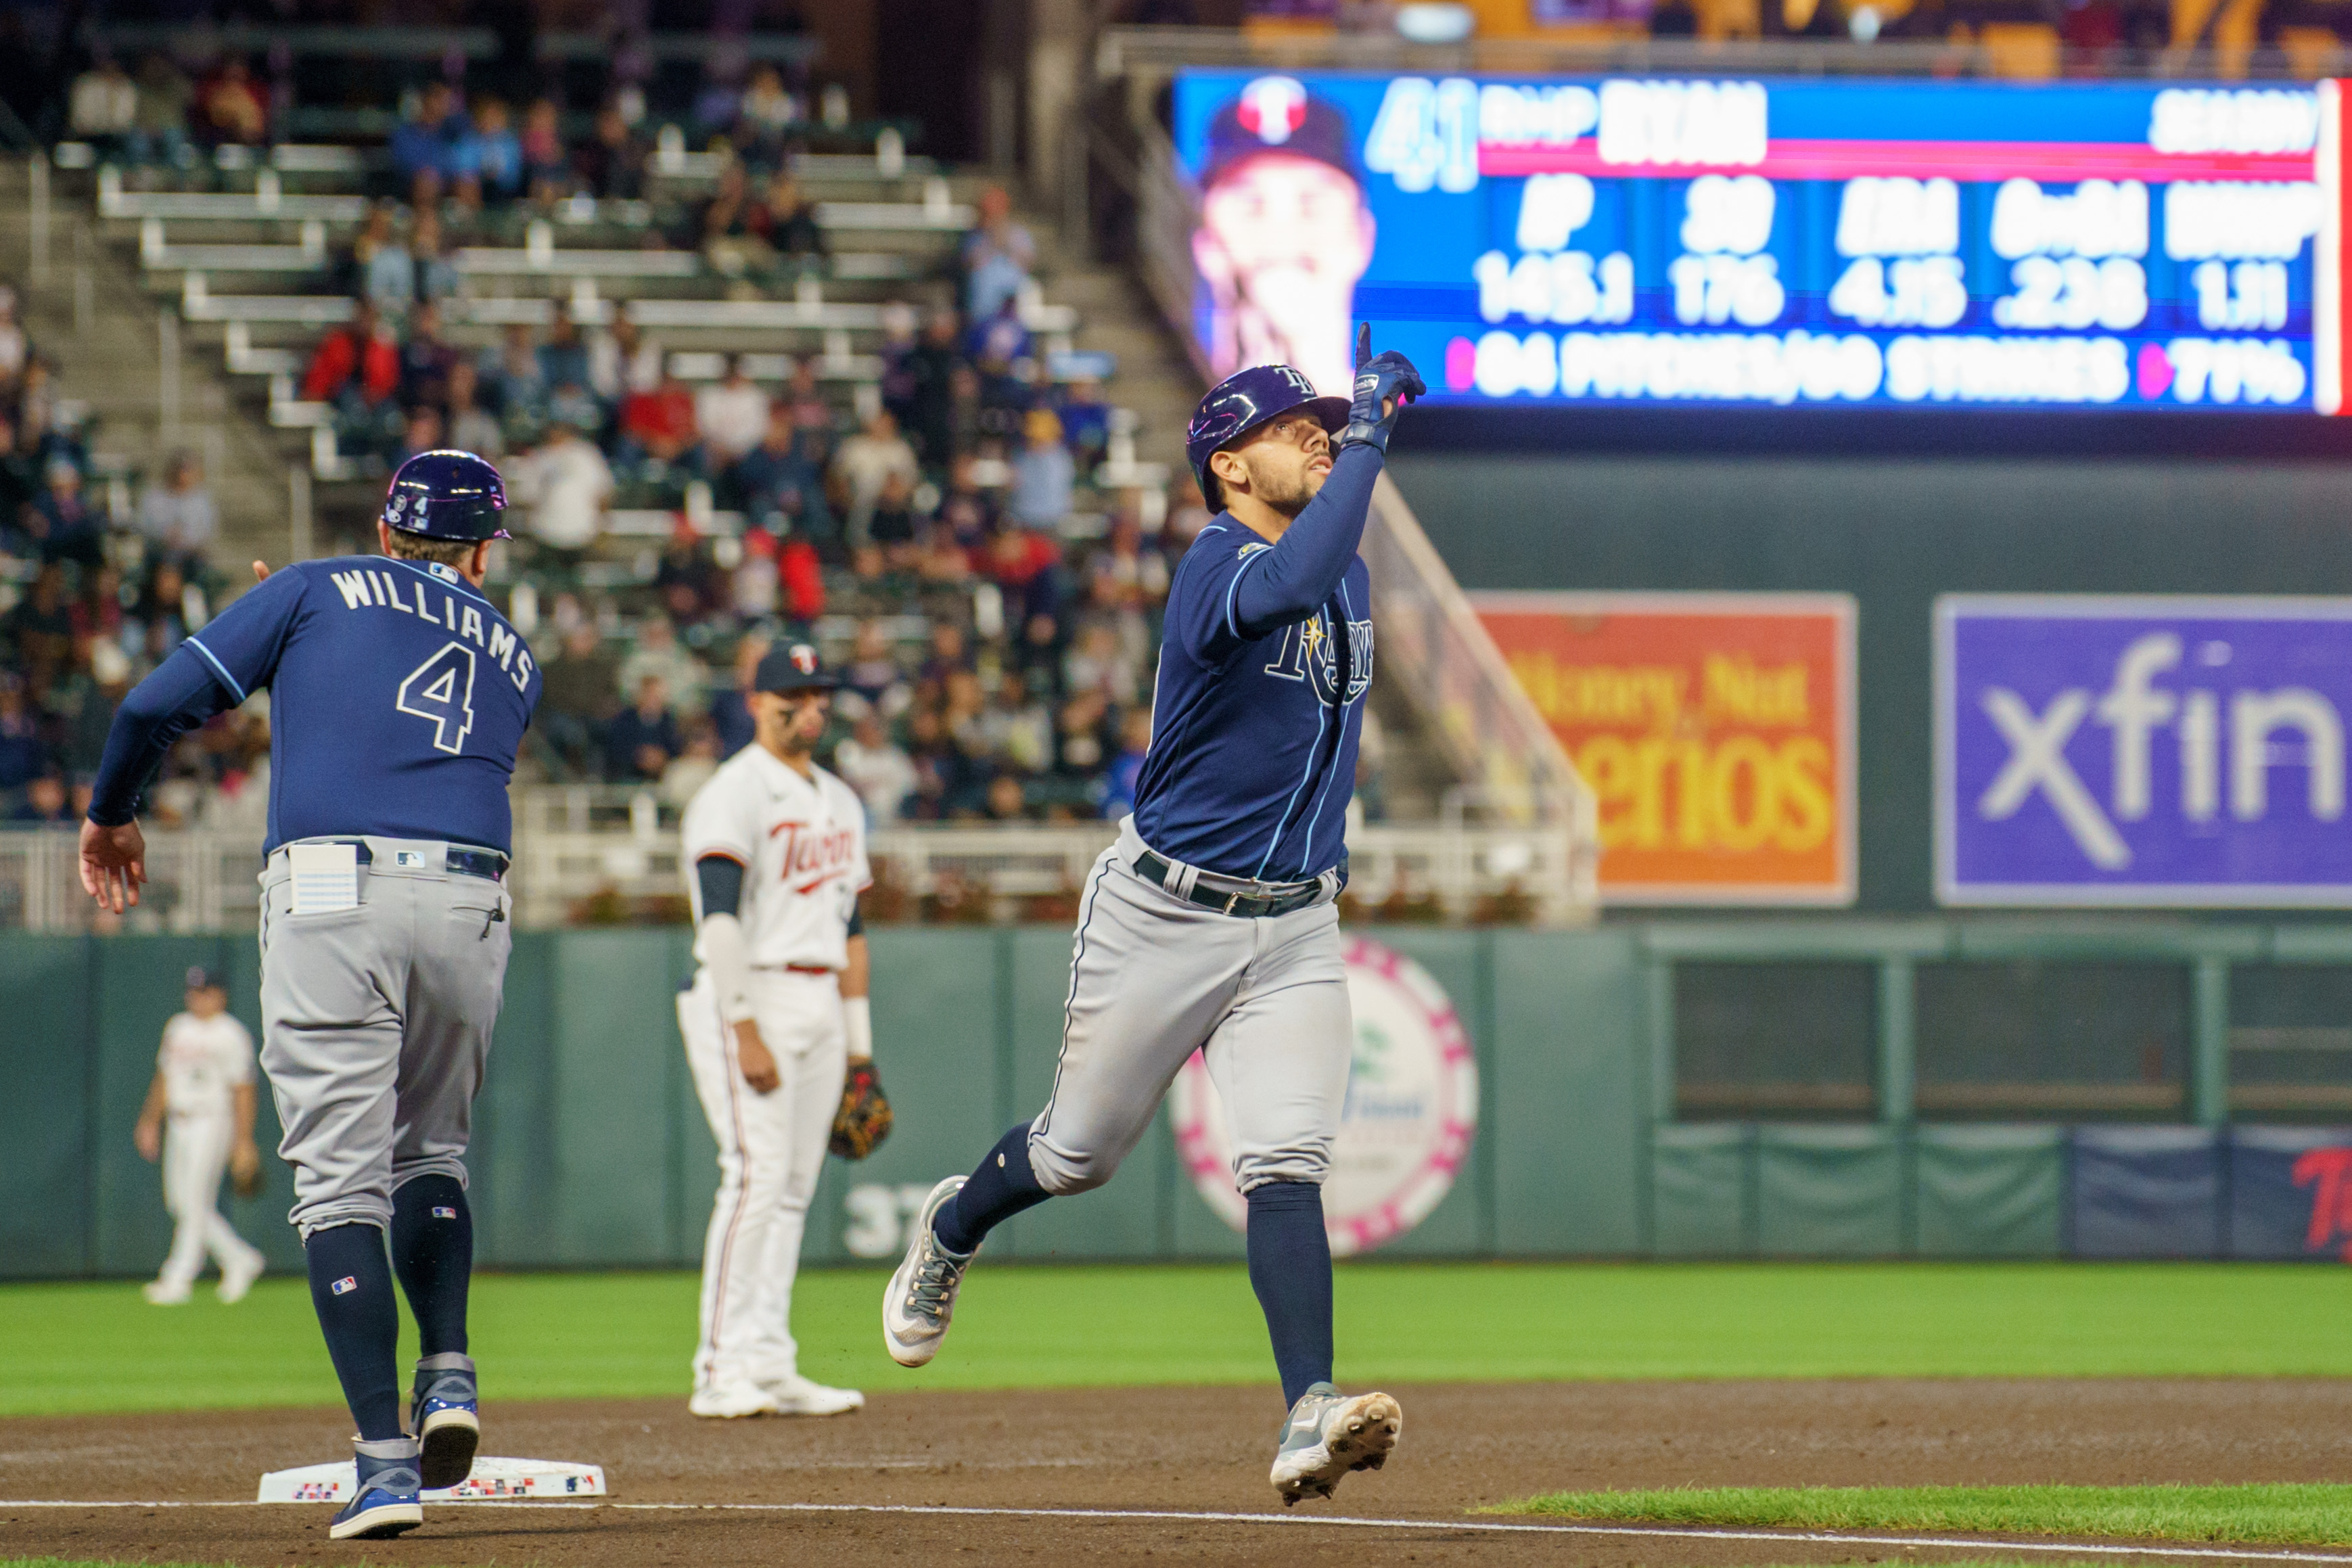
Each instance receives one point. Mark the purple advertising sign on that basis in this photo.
(2113, 751)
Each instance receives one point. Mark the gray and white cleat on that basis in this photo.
(1328, 1434)
(921, 1298)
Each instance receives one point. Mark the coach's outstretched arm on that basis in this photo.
(1305, 567)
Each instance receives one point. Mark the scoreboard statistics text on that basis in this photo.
(1919, 243)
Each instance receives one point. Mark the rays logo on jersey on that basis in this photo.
(1308, 651)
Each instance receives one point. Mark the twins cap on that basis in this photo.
(1277, 114)
(793, 667)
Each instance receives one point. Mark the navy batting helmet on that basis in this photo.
(1245, 400)
(447, 495)
(793, 667)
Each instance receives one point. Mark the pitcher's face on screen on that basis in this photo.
(1284, 235)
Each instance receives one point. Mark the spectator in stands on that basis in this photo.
(722, 225)
(870, 762)
(1085, 423)
(730, 710)
(776, 487)
(1097, 662)
(927, 371)
(178, 517)
(471, 428)
(641, 739)
(67, 527)
(1137, 574)
(496, 153)
(865, 460)
(92, 715)
(733, 415)
(232, 106)
(1020, 726)
(357, 364)
(622, 360)
(891, 527)
(687, 583)
(15, 349)
(1188, 514)
(785, 220)
(103, 107)
(40, 628)
(428, 251)
(159, 129)
(421, 431)
(576, 700)
(547, 168)
(812, 414)
(765, 115)
(1080, 736)
(512, 372)
(567, 485)
(427, 144)
(1127, 768)
(997, 257)
(941, 780)
(691, 768)
(1043, 474)
(163, 609)
(660, 654)
(613, 165)
(425, 361)
(659, 424)
(1005, 800)
(801, 577)
(563, 357)
(45, 804)
(754, 588)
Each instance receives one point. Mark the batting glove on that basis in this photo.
(1384, 384)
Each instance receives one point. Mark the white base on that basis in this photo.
(493, 1481)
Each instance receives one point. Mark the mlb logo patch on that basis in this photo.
(346, 1285)
(408, 858)
(439, 1213)
(442, 570)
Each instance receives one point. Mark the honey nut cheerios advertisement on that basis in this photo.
(1716, 730)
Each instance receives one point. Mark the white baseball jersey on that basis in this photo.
(203, 1061)
(801, 843)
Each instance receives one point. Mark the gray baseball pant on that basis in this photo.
(375, 1022)
(1154, 978)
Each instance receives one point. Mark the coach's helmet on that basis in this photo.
(793, 667)
(1243, 401)
(447, 495)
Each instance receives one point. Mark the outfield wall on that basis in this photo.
(590, 1150)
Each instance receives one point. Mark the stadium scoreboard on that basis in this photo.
(1919, 243)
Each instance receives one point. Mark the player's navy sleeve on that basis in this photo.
(242, 643)
(1258, 589)
(181, 694)
(721, 877)
(856, 920)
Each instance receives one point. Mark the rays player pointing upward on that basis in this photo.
(1210, 924)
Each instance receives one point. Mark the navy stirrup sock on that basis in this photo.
(1002, 1186)
(433, 1252)
(1290, 1269)
(351, 1287)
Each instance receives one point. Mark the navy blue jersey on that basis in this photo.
(1260, 700)
(398, 698)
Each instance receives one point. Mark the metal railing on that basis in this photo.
(203, 879)
(1152, 55)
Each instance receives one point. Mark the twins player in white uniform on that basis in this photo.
(775, 851)
(198, 1119)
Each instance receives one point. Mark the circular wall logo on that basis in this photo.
(1412, 1107)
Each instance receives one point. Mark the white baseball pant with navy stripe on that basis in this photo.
(1154, 978)
(770, 1150)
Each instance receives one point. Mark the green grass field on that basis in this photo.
(98, 1347)
(2306, 1515)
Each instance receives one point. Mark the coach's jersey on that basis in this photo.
(1253, 758)
(802, 844)
(203, 1061)
(398, 695)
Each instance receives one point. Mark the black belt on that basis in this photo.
(487, 864)
(1249, 906)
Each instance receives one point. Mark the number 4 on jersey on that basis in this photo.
(442, 689)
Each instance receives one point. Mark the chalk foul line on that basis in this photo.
(1344, 1522)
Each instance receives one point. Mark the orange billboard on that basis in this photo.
(1715, 730)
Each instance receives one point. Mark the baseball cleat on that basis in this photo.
(1328, 1435)
(732, 1402)
(386, 1503)
(165, 1293)
(445, 1416)
(922, 1294)
(238, 1276)
(797, 1396)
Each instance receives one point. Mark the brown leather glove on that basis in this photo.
(864, 1119)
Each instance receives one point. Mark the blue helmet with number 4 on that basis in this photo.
(447, 495)
(1245, 400)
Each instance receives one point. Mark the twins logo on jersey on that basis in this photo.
(813, 856)
(1310, 651)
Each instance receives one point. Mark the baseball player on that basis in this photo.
(776, 1016)
(399, 695)
(1210, 924)
(198, 1120)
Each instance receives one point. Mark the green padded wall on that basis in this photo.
(1829, 1192)
(1701, 1194)
(49, 1056)
(1991, 1191)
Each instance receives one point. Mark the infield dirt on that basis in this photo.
(1205, 1449)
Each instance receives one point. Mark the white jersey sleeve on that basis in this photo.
(233, 1047)
(723, 819)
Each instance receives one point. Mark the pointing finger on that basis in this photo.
(260, 571)
(1364, 345)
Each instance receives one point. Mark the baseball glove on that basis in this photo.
(245, 1172)
(864, 1119)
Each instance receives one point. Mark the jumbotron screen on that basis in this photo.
(1919, 244)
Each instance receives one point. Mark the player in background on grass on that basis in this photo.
(399, 695)
(198, 1120)
(1211, 925)
(776, 1018)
